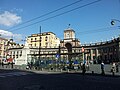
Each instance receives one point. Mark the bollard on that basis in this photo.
(61, 70)
(49, 69)
(113, 73)
(92, 72)
(68, 70)
(56, 69)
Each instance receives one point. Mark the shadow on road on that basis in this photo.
(38, 80)
(56, 73)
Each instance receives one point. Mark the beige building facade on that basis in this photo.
(46, 46)
(44, 40)
(3, 47)
(30, 51)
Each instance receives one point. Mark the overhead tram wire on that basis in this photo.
(46, 14)
(97, 30)
(57, 15)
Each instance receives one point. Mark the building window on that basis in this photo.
(40, 38)
(46, 38)
(17, 52)
(40, 44)
(20, 53)
(16, 56)
(74, 51)
(35, 39)
(105, 50)
(13, 56)
(35, 44)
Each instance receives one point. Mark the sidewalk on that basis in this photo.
(94, 69)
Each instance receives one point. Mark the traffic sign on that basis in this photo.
(57, 55)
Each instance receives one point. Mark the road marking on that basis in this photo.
(11, 74)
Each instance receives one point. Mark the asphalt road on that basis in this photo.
(24, 80)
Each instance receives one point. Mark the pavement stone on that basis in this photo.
(93, 69)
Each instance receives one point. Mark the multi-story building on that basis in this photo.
(46, 46)
(44, 40)
(23, 54)
(10, 49)
(70, 49)
(107, 51)
(3, 44)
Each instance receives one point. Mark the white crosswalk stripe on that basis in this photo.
(12, 74)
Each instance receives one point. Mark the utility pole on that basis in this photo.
(39, 44)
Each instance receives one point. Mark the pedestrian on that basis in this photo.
(81, 64)
(113, 69)
(102, 68)
(28, 66)
(83, 69)
(117, 67)
(2, 64)
(11, 64)
(31, 64)
(87, 66)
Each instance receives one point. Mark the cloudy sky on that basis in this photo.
(89, 18)
(10, 19)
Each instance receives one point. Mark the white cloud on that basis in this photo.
(6, 33)
(9, 19)
(9, 35)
